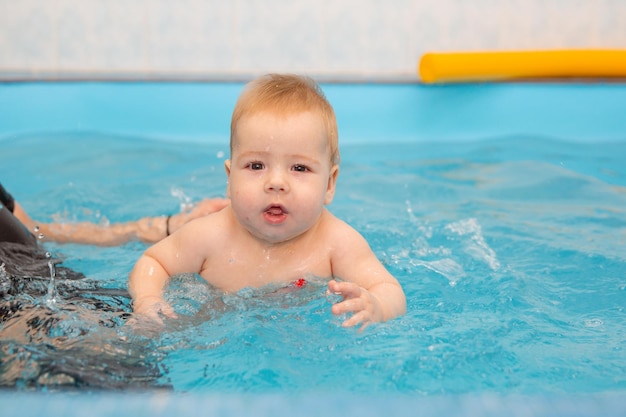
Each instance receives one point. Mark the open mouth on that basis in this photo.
(275, 213)
(275, 210)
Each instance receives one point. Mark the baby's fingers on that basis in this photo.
(361, 318)
(346, 289)
(152, 310)
(167, 310)
(349, 305)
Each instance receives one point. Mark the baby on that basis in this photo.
(282, 171)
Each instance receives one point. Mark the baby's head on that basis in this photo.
(284, 95)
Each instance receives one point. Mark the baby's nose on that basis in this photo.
(276, 182)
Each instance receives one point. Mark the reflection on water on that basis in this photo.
(61, 330)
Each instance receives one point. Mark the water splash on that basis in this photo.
(477, 247)
(52, 297)
(446, 267)
(185, 201)
(5, 281)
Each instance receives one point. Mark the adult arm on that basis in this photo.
(147, 229)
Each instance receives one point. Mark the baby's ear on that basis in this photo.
(332, 184)
(227, 169)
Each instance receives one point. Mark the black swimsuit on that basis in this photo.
(11, 229)
(6, 199)
(20, 254)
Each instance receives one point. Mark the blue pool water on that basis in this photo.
(509, 247)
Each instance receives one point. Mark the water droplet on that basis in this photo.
(48, 255)
(52, 296)
(593, 323)
(36, 229)
(40, 236)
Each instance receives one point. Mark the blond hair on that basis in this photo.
(286, 94)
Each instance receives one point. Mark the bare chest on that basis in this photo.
(234, 271)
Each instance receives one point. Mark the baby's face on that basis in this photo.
(280, 175)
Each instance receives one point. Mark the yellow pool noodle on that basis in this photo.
(440, 67)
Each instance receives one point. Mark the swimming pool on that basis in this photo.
(499, 207)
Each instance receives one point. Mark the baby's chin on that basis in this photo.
(278, 237)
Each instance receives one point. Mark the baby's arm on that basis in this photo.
(182, 252)
(146, 284)
(371, 294)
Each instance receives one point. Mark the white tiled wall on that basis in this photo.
(359, 39)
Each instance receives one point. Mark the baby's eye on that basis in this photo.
(300, 168)
(255, 166)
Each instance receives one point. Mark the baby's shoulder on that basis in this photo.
(214, 224)
(339, 229)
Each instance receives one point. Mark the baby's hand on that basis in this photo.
(364, 307)
(153, 308)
